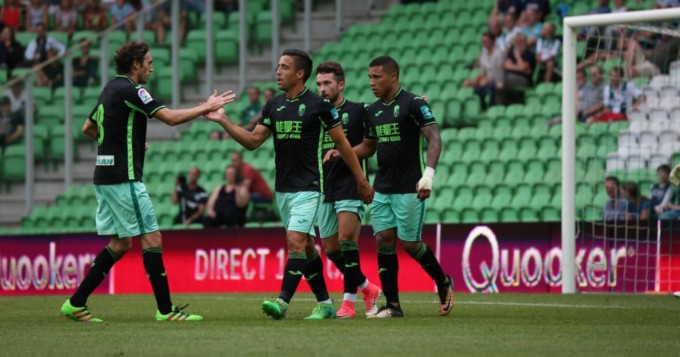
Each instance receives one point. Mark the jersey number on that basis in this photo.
(99, 118)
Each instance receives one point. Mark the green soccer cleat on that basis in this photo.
(79, 314)
(276, 308)
(322, 311)
(177, 314)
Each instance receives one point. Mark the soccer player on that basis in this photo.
(341, 212)
(297, 119)
(399, 120)
(118, 124)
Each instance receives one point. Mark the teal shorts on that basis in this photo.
(403, 211)
(124, 210)
(298, 210)
(328, 215)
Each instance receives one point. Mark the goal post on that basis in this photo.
(571, 26)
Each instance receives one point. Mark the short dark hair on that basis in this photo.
(388, 63)
(128, 53)
(612, 178)
(303, 62)
(332, 67)
(490, 35)
(618, 69)
(664, 168)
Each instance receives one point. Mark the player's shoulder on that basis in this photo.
(310, 97)
(374, 106)
(350, 105)
(409, 97)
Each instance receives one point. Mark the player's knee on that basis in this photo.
(410, 247)
(152, 240)
(385, 241)
(296, 242)
(120, 245)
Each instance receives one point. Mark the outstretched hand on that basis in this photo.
(216, 115)
(217, 101)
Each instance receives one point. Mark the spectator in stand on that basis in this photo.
(36, 51)
(164, 13)
(639, 50)
(519, 65)
(619, 97)
(11, 51)
(660, 193)
(591, 94)
(547, 49)
(95, 18)
(665, 4)
(226, 6)
(490, 63)
(495, 27)
(251, 113)
(602, 7)
(543, 7)
(504, 7)
(80, 5)
(227, 203)
(84, 66)
(616, 208)
(52, 75)
(638, 205)
(510, 29)
(190, 197)
(269, 93)
(10, 14)
(121, 11)
(53, 6)
(16, 94)
(11, 124)
(252, 179)
(66, 19)
(36, 13)
(532, 26)
(619, 6)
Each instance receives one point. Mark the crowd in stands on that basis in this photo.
(227, 203)
(251, 114)
(626, 203)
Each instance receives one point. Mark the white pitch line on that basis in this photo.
(515, 304)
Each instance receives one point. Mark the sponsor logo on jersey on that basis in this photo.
(301, 110)
(378, 113)
(105, 160)
(280, 108)
(396, 110)
(345, 118)
(144, 95)
(334, 114)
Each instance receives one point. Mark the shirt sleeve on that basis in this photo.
(369, 133)
(421, 112)
(634, 91)
(141, 100)
(265, 120)
(328, 115)
(606, 99)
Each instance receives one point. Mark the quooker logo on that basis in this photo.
(54, 271)
(515, 267)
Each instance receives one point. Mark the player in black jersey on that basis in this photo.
(399, 121)
(298, 119)
(118, 124)
(341, 212)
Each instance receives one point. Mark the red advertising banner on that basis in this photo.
(526, 258)
(50, 264)
(249, 260)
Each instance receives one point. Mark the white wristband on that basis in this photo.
(425, 182)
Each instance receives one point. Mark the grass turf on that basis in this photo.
(234, 325)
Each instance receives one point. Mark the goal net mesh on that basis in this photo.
(627, 137)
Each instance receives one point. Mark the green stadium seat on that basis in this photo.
(13, 164)
(527, 214)
(509, 215)
(469, 216)
(42, 95)
(551, 214)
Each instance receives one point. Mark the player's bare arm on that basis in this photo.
(249, 140)
(363, 187)
(434, 149)
(90, 129)
(174, 117)
(363, 151)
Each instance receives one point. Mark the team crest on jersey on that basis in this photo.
(345, 118)
(396, 110)
(144, 96)
(301, 110)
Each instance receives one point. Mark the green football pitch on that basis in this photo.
(520, 325)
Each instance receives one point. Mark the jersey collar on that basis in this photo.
(126, 77)
(344, 100)
(393, 99)
(298, 97)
